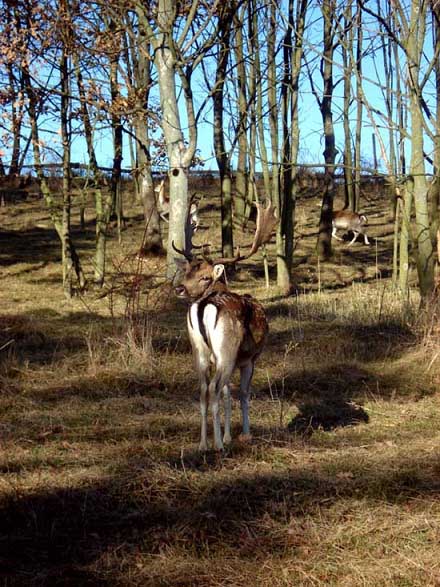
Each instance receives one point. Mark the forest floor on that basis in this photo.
(101, 481)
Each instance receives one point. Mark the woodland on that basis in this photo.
(120, 121)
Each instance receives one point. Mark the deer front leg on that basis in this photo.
(335, 235)
(366, 241)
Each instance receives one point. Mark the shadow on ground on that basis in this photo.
(37, 245)
(78, 536)
(326, 415)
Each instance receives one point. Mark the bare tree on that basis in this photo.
(241, 193)
(172, 30)
(435, 185)
(417, 184)
(61, 40)
(409, 34)
(348, 64)
(222, 156)
(328, 9)
(142, 83)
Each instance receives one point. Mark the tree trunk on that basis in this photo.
(425, 253)
(297, 57)
(62, 228)
(405, 239)
(241, 202)
(219, 141)
(115, 115)
(17, 101)
(324, 248)
(347, 53)
(285, 227)
(390, 75)
(179, 156)
(169, 62)
(435, 185)
(102, 201)
(65, 231)
(359, 110)
(152, 243)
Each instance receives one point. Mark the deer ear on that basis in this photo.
(218, 271)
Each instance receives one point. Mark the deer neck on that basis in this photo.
(217, 286)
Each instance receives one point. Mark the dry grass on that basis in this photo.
(101, 482)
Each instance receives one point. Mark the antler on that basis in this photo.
(266, 222)
(187, 256)
(190, 227)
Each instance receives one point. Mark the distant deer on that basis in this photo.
(162, 199)
(350, 221)
(163, 205)
(226, 330)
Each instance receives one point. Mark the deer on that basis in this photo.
(162, 200)
(163, 206)
(226, 330)
(346, 220)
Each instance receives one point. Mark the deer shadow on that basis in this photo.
(326, 414)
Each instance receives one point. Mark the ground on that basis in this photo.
(101, 480)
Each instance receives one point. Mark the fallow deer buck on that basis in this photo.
(350, 221)
(226, 330)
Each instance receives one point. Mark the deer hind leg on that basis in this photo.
(224, 346)
(214, 405)
(203, 446)
(219, 383)
(355, 235)
(246, 373)
(228, 410)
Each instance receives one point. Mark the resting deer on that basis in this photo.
(226, 330)
(346, 220)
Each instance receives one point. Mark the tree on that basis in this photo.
(56, 40)
(142, 83)
(324, 249)
(292, 61)
(409, 34)
(223, 157)
(172, 30)
(417, 184)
